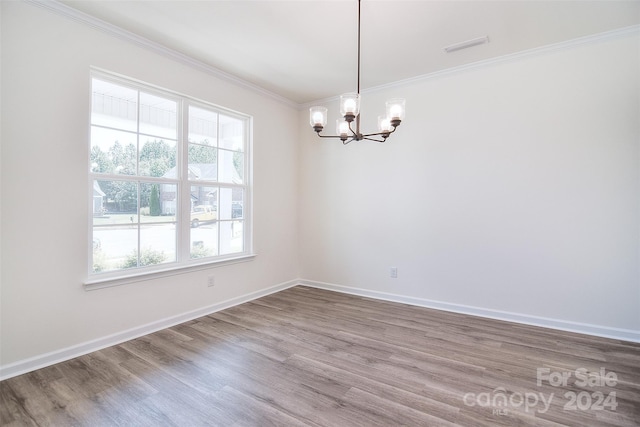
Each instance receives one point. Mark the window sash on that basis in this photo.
(184, 250)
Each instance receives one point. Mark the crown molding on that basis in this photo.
(633, 30)
(119, 33)
(115, 31)
(555, 47)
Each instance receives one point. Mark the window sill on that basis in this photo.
(107, 282)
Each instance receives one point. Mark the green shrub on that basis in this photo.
(148, 256)
(99, 260)
(200, 251)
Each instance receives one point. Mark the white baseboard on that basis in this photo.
(48, 359)
(563, 325)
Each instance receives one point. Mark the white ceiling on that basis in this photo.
(305, 50)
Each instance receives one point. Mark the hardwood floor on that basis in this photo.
(309, 357)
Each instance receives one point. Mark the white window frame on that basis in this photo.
(184, 262)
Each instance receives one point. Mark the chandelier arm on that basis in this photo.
(328, 136)
(345, 141)
(381, 133)
(356, 132)
(376, 140)
(377, 134)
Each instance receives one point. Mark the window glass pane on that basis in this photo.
(168, 200)
(225, 203)
(230, 167)
(203, 126)
(231, 133)
(237, 205)
(158, 227)
(115, 224)
(231, 203)
(203, 163)
(157, 202)
(158, 116)
(231, 237)
(157, 157)
(113, 151)
(204, 205)
(114, 202)
(113, 105)
(157, 244)
(112, 246)
(204, 241)
(204, 224)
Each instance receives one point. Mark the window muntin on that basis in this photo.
(169, 180)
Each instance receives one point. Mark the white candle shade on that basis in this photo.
(384, 124)
(318, 116)
(395, 109)
(350, 104)
(342, 127)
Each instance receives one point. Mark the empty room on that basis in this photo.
(320, 213)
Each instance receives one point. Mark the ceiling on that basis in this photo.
(305, 50)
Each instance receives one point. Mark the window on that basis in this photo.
(169, 180)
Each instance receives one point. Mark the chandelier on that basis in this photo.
(350, 111)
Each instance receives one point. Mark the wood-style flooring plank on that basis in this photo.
(310, 357)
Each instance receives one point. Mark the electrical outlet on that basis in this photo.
(211, 281)
(393, 272)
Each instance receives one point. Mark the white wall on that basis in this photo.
(513, 186)
(46, 60)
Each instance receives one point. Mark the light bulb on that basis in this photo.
(395, 111)
(384, 124)
(350, 106)
(342, 127)
(317, 118)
